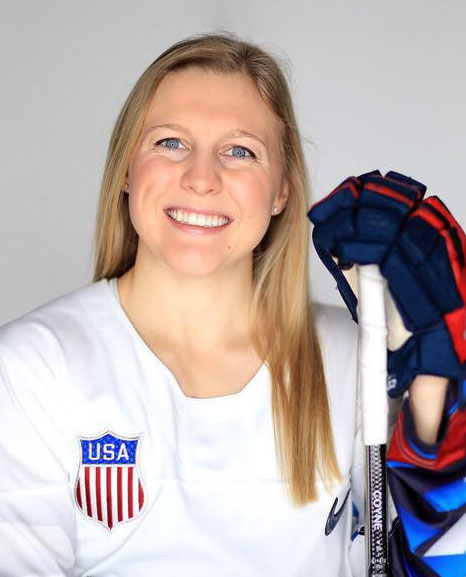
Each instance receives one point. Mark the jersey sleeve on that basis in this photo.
(339, 339)
(428, 486)
(37, 521)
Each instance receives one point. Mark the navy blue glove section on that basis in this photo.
(420, 249)
(426, 276)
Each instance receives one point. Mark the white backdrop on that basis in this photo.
(376, 85)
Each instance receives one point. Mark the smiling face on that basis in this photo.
(205, 162)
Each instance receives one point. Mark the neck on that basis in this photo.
(197, 314)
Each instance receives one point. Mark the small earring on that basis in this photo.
(275, 209)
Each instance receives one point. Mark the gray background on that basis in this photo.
(376, 85)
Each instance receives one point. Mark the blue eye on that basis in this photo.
(250, 152)
(171, 144)
(159, 143)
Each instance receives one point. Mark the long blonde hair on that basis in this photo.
(281, 297)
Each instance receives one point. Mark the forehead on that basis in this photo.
(204, 98)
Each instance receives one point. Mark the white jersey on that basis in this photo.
(109, 469)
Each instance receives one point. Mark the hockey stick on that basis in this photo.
(372, 377)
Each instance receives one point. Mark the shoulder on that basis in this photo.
(336, 329)
(39, 336)
(338, 339)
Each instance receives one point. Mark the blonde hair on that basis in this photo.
(287, 339)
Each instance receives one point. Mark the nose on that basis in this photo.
(201, 174)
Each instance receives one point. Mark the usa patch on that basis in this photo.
(108, 488)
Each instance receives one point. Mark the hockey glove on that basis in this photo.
(359, 221)
(420, 250)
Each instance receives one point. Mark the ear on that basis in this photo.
(284, 193)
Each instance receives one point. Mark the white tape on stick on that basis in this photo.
(372, 355)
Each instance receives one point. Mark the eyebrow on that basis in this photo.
(234, 132)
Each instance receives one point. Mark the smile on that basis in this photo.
(202, 220)
(205, 229)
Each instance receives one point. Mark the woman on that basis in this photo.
(189, 411)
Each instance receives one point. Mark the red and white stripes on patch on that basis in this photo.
(109, 494)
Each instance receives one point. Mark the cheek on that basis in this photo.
(254, 193)
(151, 174)
(146, 180)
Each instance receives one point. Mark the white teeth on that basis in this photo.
(197, 219)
